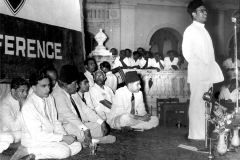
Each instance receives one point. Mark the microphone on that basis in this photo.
(207, 96)
(235, 17)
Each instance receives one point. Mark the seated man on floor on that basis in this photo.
(101, 95)
(10, 114)
(128, 109)
(230, 92)
(111, 80)
(42, 134)
(71, 112)
(97, 126)
(90, 67)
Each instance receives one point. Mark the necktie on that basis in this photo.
(160, 64)
(83, 99)
(133, 105)
(75, 107)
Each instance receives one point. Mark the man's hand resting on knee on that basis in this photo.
(144, 118)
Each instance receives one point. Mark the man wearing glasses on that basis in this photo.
(203, 70)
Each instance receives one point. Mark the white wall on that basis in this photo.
(62, 13)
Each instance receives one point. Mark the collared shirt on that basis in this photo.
(153, 63)
(98, 94)
(198, 50)
(90, 78)
(168, 63)
(135, 63)
(111, 81)
(117, 63)
(82, 126)
(10, 115)
(142, 62)
(122, 103)
(37, 126)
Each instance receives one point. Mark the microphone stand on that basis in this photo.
(207, 97)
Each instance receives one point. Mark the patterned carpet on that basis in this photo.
(157, 144)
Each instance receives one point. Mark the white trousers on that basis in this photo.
(197, 111)
(7, 138)
(95, 130)
(128, 120)
(55, 150)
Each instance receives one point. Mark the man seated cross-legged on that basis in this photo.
(128, 109)
(42, 134)
(10, 114)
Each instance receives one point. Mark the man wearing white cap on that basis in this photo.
(128, 108)
(203, 70)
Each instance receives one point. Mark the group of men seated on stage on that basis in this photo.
(146, 60)
(63, 113)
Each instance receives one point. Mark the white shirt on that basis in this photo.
(225, 94)
(153, 63)
(10, 115)
(38, 127)
(98, 94)
(117, 63)
(229, 64)
(198, 51)
(111, 81)
(142, 62)
(90, 78)
(122, 103)
(168, 63)
(135, 63)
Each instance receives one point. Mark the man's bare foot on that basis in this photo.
(21, 152)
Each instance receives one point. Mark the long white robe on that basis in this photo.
(203, 71)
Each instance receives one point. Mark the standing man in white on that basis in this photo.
(203, 70)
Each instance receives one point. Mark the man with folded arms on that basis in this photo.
(101, 95)
(42, 134)
(128, 109)
(10, 114)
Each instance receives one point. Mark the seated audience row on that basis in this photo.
(143, 60)
(60, 115)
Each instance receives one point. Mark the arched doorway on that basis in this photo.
(166, 39)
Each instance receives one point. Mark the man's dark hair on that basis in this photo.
(37, 76)
(106, 65)
(50, 68)
(172, 51)
(89, 59)
(17, 82)
(136, 53)
(127, 49)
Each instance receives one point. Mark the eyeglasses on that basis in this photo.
(202, 10)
